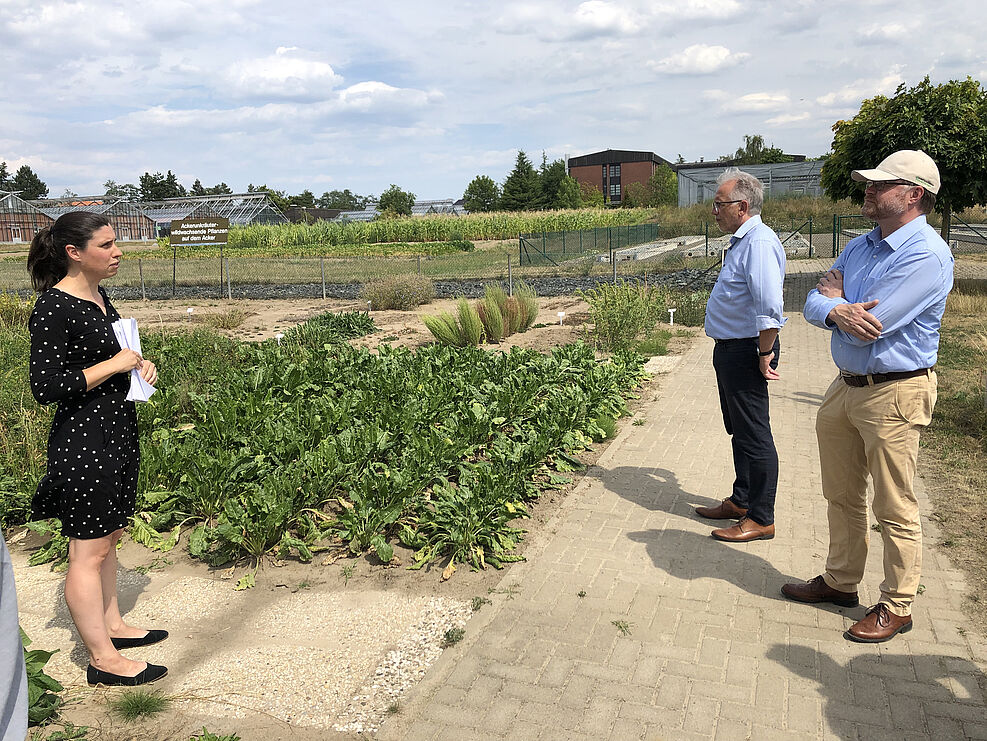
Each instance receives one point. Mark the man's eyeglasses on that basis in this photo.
(717, 205)
(883, 185)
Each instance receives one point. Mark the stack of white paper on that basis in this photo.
(126, 332)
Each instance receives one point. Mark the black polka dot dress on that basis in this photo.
(93, 450)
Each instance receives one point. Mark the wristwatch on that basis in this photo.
(764, 354)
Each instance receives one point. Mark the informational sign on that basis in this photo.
(199, 231)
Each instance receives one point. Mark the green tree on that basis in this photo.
(754, 152)
(278, 197)
(4, 177)
(550, 177)
(344, 200)
(127, 191)
(590, 195)
(157, 186)
(521, 188)
(197, 189)
(567, 195)
(28, 182)
(396, 201)
(945, 121)
(305, 199)
(220, 189)
(482, 194)
(661, 189)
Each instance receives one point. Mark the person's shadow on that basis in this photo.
(892, 694)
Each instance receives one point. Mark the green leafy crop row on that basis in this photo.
(287, 446)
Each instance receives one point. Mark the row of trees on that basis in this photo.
(25, 180)
(526, 189)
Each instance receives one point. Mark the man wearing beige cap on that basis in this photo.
(883, 301)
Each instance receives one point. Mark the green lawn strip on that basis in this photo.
(953, 460)
(286, 448)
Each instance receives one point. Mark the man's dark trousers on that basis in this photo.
(744, 403)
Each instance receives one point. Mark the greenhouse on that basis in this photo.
(128, 221)
(240, 208)
(698, 184)
(163, 215)
(19, 220)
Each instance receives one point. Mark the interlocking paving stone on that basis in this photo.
(714, 651)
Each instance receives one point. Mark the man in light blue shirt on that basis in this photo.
(883, 302)
(743, 316)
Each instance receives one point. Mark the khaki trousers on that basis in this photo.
(874, 430)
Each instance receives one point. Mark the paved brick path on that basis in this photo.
(711, 650)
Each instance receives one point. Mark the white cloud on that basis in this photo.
(787, 118)
(860, 89)
(599, 18)
(880, 33)
(699, 59)
(749, 103)
(287, 74)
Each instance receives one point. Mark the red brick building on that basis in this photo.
(614, 169)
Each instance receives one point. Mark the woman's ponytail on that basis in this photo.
(47, 261)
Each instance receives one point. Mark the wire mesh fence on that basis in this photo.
(559, 261)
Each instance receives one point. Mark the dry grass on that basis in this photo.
(229, 319)
(954, 460)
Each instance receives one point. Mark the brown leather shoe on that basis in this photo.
(879, 626)
(725, 510)
(744, 531)
(818, 590)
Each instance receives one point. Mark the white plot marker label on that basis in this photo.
(671, 317)
(561, 317)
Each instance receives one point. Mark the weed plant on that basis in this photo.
(208, 736)
(14, 311)
(42, 690)
(401, 292)
(626, 314)
(132, 705)
(229, 319)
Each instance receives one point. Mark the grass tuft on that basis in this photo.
(132, 705)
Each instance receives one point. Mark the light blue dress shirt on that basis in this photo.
(910, 273)
(747, 297)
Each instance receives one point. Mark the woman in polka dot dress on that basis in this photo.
(93, 451)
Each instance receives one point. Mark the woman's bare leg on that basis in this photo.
(84, 596)
(115, 625)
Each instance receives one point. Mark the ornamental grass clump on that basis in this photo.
(504, 315)
(624, 312)
(400, 292)
(463, 330)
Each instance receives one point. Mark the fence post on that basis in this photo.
(563, 242)
(613, 264)
(322, 268)
(706, 232)
(510, 278)
(836, 226)
(221, 270)
(174, 266)
(140, 268)
(229, 285)
(810, 236)
(419, 266)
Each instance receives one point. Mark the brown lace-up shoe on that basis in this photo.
(817, 590)
(879, 626)
(744, 531)
(725, 510)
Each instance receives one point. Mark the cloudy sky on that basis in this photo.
(429, 94)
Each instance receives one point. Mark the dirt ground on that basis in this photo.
(226, 674)
(265, 319)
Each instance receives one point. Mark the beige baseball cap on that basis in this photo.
(910, 165)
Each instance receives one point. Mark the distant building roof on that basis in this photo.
(615, 156)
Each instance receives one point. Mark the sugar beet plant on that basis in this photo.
(283, 449)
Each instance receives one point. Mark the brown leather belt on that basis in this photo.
(875, 378)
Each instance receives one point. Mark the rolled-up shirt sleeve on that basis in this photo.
(51, 378)
(765, 279)
(817, 306)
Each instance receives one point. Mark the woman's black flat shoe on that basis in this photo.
(152, 673)
(153, 636)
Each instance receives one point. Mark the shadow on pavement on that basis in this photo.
(888, 694)
(688, 555)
